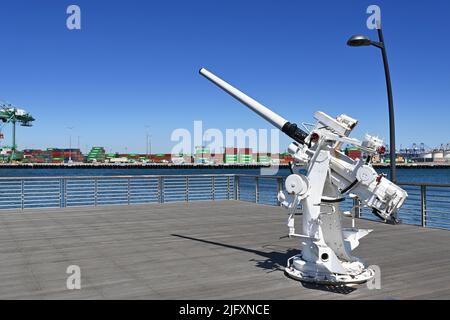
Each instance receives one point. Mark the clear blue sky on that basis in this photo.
(135, 63)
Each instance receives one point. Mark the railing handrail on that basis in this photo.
(118, 176)
(427, 184)
(144, 176)
(259, 176)
(416, 184)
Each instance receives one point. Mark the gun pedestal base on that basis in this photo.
(301, 270)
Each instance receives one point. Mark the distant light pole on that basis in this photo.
(70, 143)
(358, 41)
(148, 142)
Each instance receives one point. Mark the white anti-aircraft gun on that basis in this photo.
(326, 247)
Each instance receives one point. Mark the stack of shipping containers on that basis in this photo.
(132, 157)
(111, 156)
(188, 158)
(202, 155)
(36, 156)
(217, 158)
(56, 155)
(161, 158)
(97, 154)
(263, 158)
(231, 156)
(285, 158)
(52, 155)
(74, 154)
(245, 156)
(143, 158)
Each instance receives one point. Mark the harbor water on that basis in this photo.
(405, 175)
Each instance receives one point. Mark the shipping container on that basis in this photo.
(245, 151)
(353, 153)
(231, 150)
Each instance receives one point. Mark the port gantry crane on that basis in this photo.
(11, 114)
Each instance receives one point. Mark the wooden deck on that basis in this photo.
(198, 250)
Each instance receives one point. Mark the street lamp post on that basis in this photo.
(358, 41)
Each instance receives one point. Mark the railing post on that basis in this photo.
(256, 189)
(279, 188)
(128, 191)
(213, 188)
(423, 200)
(22, 194)
(236, 188)
(160, 189)
(95, 191)
(64, 192)
(187, 189)
(357, 207)
(228, 187)
(61, 184)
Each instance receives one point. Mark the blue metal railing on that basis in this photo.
(61, 192)
(428, 205)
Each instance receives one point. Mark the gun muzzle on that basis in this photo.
(279, 122)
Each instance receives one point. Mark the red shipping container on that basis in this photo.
(353, 153)
(245, 150)
(231, 150)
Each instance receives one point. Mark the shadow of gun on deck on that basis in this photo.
(275, 261)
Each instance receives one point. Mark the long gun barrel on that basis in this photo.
(285, 126)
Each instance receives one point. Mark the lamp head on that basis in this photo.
(359, 41)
